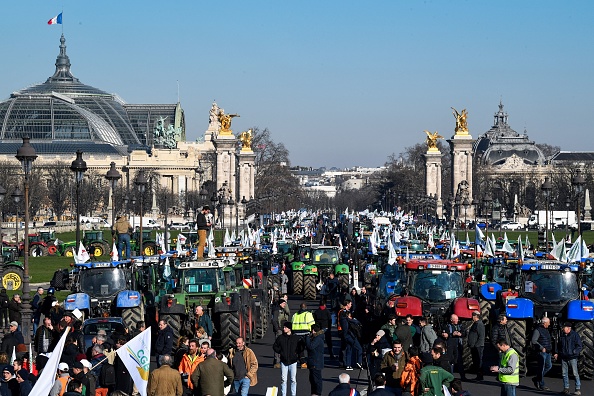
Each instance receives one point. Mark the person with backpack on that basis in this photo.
(352, 331)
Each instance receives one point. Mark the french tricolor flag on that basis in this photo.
(55, 20)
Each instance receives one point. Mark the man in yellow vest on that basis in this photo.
(508, 369)
(302, 322)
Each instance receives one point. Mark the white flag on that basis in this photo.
(82, 255)
(136, 356)
(46, 379)
(114, 252)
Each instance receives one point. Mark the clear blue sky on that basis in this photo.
(340, 83)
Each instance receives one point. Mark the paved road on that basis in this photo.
(268, 376)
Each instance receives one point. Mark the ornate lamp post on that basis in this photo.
(578, 182)
(79, 167)
(113, 176)
(214, 199)
(466, 204)
(2, 195)
(488, 202)
(546, 189)
(244, 204)
(141, 183)
(26, 155)
(475, 204)
(457, 202)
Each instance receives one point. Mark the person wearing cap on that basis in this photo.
(568, 350)
(203, 226)
(476, 343)
(22, 377)
(377, 348)
(288, 346)
(92, 380)
(433, 378)
(9, 384)
(61, 382)
(78, 373)
(280, 315)
(122, 228)
(11, 339)
(323, 318)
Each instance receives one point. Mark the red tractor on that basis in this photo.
(436, 289)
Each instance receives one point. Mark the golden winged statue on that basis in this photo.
(432, 140)
(246, 140)
(225, 120)
(461, 125)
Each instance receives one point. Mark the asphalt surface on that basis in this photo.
(269, 376)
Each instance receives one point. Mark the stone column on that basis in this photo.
(225, 149)
(587, 207)
(246, 160)
(461, 150)
(433, 176)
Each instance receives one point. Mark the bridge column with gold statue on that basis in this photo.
(247, 159)
(433, 170)
(225, 144)
(461, 149)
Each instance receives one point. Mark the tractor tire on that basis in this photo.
(309, 287)
(12, 277)
(248, 321)
(466, 352)
(517, 333)
(52, 250)
(131, 316)
(586, 361)
(259, 322)
(69, 253)
(96, 249)
(106, 248)
(229, 326)
(175, 322)
(486, 307)
(38, 251)
(343, 280)
(297, 282)
(149, 248)
(271, 280)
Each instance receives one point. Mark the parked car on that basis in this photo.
(512, 225)
(180, 226)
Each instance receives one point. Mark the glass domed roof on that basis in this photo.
(64, 109)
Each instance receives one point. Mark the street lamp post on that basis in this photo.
(79, 167)
(2, 194)
(567, 205)
(578, 182)
(488, 201)
(466, 204)
(546, 189)
(475, 204)
(457, 202)
(113, 176)
(141, 183)
(17, 195)
(26, 155)
(244, 203)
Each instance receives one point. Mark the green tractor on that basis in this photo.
(149, 245)
(211, 284)
(301, 258)
(12, 270)
(95, 244)
(325, 260)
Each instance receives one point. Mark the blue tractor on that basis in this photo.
(106, 289)
(555, 290)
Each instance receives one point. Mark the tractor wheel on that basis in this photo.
(309, 287)
(106, 248)
(175, 322)
(517, 333)
(486, 307)
(229, 326)
(69, 253)
(271, 280)
(466, 353)
(12, 277)
(133, 315)
(149, 248)
(586, 361)
(297, 282)
(248, 324)
(259, 322)
(96, 249)
(343, 280)
(38, 251)
(52, 250)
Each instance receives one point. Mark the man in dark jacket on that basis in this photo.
(500, 331)
(280, 315)
(344, 387)
(4, 308)
(476, 343)
(12, 338)
(212, 376)
(203, 226)
(569, 348)
(315, 358)
(14, 309)
(449, 347)
(164, 343)
(457, 332)
(288, 346)
(202, 319)
(542, 342)
(323, 319)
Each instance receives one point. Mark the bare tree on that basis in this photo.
(59, 183)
